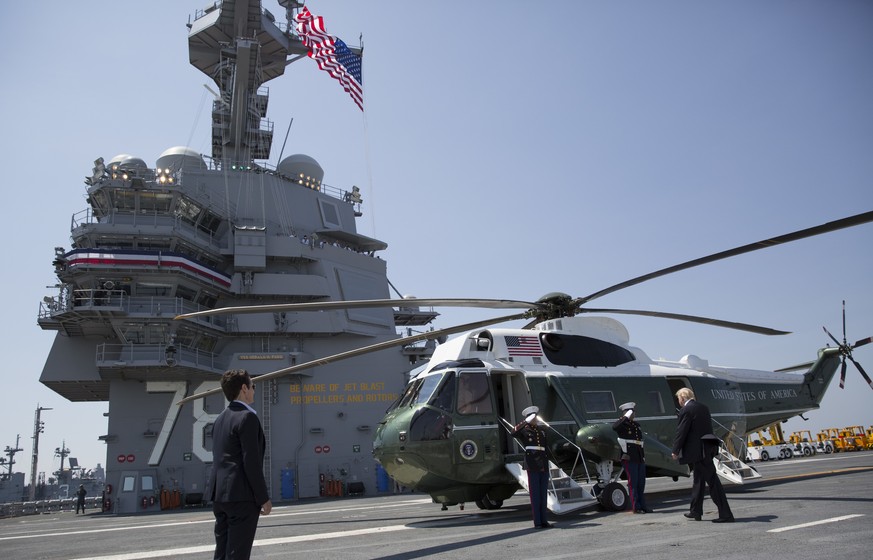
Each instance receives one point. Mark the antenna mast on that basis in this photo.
(38, 428)
(10, 452)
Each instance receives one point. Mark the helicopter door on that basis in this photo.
(476, 427)
(676, 383)
(512, 395)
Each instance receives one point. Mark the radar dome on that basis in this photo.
(302, 169)
(180, 157)
(127, 161)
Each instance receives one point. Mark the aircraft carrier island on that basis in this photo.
(195, 232)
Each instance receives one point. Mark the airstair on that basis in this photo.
(564, 495)
(732, 469)
(729, 467)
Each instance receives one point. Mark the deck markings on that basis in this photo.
(175, 552)
(814, 523)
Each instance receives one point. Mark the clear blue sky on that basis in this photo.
(508, 149)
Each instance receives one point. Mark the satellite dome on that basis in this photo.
(127, 161)
(302, 169)
(179, 157)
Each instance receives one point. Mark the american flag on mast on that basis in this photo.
(331, 54)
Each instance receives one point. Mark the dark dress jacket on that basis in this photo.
(694, 423)
(238, 447)
(631, 430)
(533, 438)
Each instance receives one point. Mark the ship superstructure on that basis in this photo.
(197, 232)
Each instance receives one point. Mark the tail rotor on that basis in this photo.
(846, 352)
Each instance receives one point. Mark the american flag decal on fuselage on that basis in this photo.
(523, 346)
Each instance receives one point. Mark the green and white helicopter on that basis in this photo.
(449, 432)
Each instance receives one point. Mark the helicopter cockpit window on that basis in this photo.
(584, 351)
(429, 424)
(474, 394)
(409, 393)
(444, 396)
(427, 387)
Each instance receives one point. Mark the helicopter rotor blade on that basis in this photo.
(837, 342)
(691, 318)
(863, 373)
(862, 342)
(364, 350)
(367, 303)
(801, 234)
(843, 373)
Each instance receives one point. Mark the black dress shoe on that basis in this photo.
(639, 511)
(647, 510)
(546, 525)
(692, 516)
(723, 520)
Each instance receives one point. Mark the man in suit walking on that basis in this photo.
(695, 445)
(236, 484)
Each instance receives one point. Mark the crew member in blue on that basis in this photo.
(536, 462)
(633, 459)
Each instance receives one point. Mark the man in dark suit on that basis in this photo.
(695, 445)
(236, 484)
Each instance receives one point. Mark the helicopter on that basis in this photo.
(449, 432)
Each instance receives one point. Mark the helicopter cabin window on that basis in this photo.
(655, 401)
(474, 394)
(598, 401)
(584, 351)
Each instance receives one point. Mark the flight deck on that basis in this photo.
(801, 508)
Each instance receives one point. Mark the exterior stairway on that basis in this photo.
(565, 494)
(730, 468)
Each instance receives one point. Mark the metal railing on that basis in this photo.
(150, 355)
(119, 301)
(150, 218)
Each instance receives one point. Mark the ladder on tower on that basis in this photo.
(266, 406)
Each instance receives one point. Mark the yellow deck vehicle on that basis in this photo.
(860, 437)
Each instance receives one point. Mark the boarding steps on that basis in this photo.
(732, 469)
(565, 494)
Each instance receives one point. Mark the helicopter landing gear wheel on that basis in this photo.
(487, 503)
(613, 497)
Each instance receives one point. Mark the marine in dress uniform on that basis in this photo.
(533, 437)
(633, 459)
